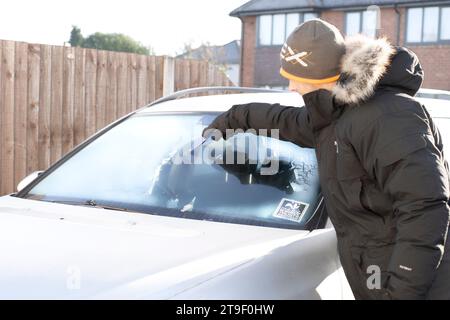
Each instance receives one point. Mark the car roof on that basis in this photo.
(219, 103)
(434, 91)
(223, 102)
(438, 108)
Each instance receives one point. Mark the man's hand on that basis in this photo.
(291, 123)
(217, 129)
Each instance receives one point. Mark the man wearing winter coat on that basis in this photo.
(381, 163)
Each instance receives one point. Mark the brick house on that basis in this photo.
(226, 57)
(422, 26)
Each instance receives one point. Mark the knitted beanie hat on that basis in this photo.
(312, 53)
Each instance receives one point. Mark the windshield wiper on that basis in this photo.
(92, 203)
(89, 203)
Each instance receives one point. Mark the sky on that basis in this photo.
(165, 25)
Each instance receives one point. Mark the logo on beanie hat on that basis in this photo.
(291, 55)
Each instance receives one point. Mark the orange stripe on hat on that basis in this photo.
(289, 76)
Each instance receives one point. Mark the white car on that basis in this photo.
(119, 218)
(433, 94)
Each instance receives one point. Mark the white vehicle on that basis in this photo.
(434, 94)
(117, 218)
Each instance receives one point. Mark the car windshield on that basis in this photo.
(150, 163)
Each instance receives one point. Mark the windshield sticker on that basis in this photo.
(291, 210)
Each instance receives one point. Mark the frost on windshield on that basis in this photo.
(231, 174)
(159, 164)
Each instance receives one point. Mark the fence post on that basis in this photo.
(169, 76)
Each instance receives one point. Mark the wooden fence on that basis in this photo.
(52, 98)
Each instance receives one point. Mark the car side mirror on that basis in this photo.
(27, 180)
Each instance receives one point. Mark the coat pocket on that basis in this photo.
(351, 193)
(372, 266)
(350, 175)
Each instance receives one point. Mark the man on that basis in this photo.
(381, 163)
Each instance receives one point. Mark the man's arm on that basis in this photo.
(409, 168)
(292, 122)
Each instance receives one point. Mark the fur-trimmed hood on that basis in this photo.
(371, 63)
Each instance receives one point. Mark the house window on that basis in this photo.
(265, 30)
(428, 25)
(279, 29)
(274, 29)
(353, 23)
(292, 22)
(414, 29)
(445, 24)
(309, 16)
(364, 22)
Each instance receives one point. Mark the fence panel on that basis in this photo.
(7, 116)
(91, 92)
(56, 104)
(44, 107)
(122, 85)
(68, 99)
(20, 110)
(100, 106)
(52, 98)
(79, 97)
(34, 69)
(111, 88)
